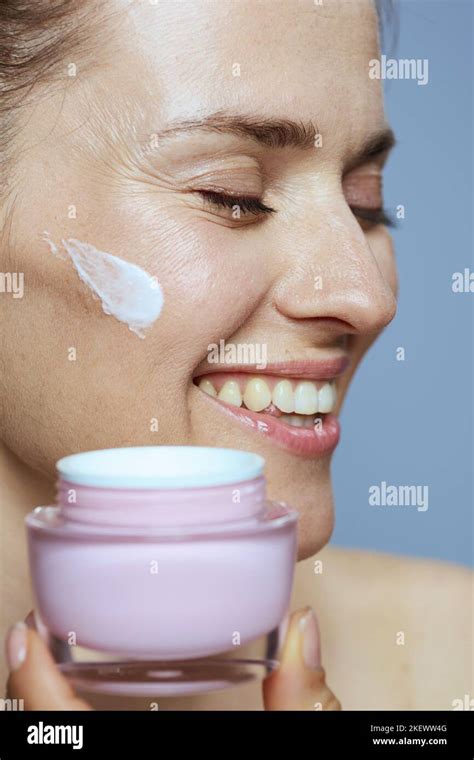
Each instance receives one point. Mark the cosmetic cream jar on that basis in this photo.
(162, 570)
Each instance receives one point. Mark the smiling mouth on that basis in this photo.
(294, 412)
(297, 403)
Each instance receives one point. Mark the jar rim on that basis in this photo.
(48, 519)
(170, 467)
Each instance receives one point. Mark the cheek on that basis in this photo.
(212, 278)
(381, 245)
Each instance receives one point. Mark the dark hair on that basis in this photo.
(34, 38)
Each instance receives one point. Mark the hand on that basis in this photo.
(34, 676)
(298, 684)
(300, 681)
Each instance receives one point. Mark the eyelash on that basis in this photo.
(245, 203)
(374, 216)
(254, 206)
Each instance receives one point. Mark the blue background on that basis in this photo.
(410, 422)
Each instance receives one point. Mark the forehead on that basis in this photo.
(294, 59)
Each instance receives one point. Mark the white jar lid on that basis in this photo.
(160, 467)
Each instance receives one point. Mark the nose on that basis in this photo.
(334, 273)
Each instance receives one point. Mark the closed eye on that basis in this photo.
(250, 205)
(246, 204)
(373, 216)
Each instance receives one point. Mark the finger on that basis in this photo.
(300, 681)
(34, 676)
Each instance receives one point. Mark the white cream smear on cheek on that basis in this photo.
(125, 290)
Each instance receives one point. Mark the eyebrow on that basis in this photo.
(277, 133)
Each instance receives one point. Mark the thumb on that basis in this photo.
(34, 676)
(300, 681)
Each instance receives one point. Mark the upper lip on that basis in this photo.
(308, 369)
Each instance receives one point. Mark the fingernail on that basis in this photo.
(15, 645)
(309, 629)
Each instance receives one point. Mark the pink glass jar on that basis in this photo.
(161, 568)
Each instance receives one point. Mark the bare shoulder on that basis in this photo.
(406, 577)
(396, 569)
(410, 619)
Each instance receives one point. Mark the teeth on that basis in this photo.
(298, 420)
(283, 396)
(306, 398)
(257, 395)
(230, 393)
(207, 387)
(291, 419)
(325, 398)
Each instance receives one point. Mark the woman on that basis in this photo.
(234, 152)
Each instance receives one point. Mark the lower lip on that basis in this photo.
(301, 441)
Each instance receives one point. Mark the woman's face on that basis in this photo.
(169, 101)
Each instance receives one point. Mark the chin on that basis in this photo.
(315, 530)
(315, 505)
